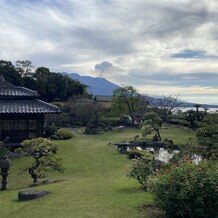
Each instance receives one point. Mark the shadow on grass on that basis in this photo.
(17, 201)
(46, 182)
(130, 190)
(151, 211)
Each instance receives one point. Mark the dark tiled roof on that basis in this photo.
(103, 98)
(4, 84)
(17, 92)
(26, 106)
(10, 90)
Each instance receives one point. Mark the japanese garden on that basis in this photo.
(67, 153)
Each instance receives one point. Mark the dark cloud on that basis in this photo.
(179, 19)
(197, 54)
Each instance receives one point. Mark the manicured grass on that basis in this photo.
(178, 134)
(95, 180)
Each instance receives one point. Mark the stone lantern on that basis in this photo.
(5, 164)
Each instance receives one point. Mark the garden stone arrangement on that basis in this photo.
(162, 151)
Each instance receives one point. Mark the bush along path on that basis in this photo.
(95, 182)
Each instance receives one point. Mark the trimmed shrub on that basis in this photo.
(135, 153)
(43, 153)
(116, 121)
(144, 167)
(92, 129)
(64, 134)
(78, 124)
(62, 119)
(111, 121)
(105, 120)
(54, 137)
(3, 150)
(187, 190)
(125, 120)
(50, 130)
(102, 125)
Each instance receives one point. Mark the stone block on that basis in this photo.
(31, 194)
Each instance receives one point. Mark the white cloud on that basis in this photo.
(134, 36)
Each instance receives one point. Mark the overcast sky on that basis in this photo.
(159, 46)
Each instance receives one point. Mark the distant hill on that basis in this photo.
(154, 101)
(97, 85)
(101, 86)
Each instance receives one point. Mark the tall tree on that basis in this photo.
(84, 110)
(42, 151)
(50, 86)
(55, 86)
(126, 100)
(41, 73)
(197, 107)
(152, 122)
(8, 71)
(25, 68)
(207, 135)
(166, 105)
(205, 110)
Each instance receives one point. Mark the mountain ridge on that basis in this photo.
(96, 85)
(101, 86)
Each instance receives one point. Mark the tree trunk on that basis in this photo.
(158, 134)
(33, 175)
(132, 118)
(32, 170)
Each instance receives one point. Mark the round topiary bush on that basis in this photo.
(64, 134)
(143, 167)
(50, 130)
(54, 137)
(187, 190)
(92, 129)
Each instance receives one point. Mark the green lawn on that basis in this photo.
(179, 134)
(96, 183)
(95, 180)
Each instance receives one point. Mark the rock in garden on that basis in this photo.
(31, 194)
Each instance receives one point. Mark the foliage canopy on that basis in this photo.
(42, 151)
(127, 101)
(187, 190)
(50, 86)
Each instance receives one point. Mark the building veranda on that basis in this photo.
(21, 113)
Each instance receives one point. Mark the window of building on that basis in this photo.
(8, 125)
(32, 124)
(1, 124)
(21, 124)
(32, 135)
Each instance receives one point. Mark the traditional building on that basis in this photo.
(103, 100)
(21, 113)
